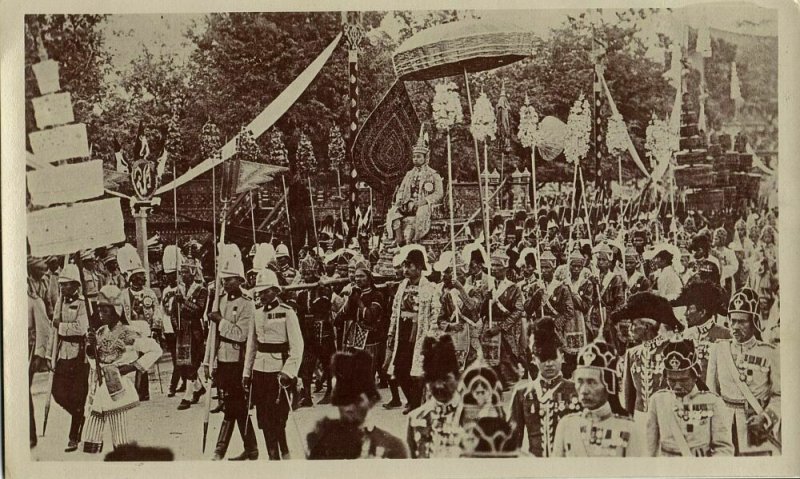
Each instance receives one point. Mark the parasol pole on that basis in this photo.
(313, 213)
(252, 216)
(450, 194)
(288, 217)
(484, 199)
(585, 205)
(533, 180)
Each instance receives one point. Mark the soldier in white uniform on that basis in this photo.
(686, 420)
(233, 320)
(599, 430)
(746, 373)
(68, 352)
(272, 361)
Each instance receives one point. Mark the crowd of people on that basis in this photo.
(633, 343)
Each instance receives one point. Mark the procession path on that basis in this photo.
(158, 423)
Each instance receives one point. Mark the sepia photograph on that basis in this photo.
(526, 233)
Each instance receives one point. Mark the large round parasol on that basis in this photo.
(467, 45)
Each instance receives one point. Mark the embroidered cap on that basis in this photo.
(680, 356)
(745, 301)
(600, 356)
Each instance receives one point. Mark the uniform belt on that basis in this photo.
(273, 347)
(406, 314)
(223, 339)
(71, 339)
(739, 403)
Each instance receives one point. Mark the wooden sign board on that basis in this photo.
(67, 229)
(55, 109)
(46, 73)
(66, 184)
(60, 143)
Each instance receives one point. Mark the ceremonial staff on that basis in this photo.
(51, 373)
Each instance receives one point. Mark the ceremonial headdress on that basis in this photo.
(740, 223)
(603, 249)
(646, 305)
(266, 279)
(88, 255)
(446, 261)
(666, 251)
(600, 356)
(545, 341)
(500, 258)
(422, 142)
(439, 358)
(527, 256)
(282, 251)
(745, 301)
(415, 254)
(552, 224)
(700, 241)
(172, 259)
(353, 373)
(703, 294)
(474, 252)
(576, 256)
(680, 356)
(69, 274)
(263, 255)
(111, 255)
(110, 295)
(363, 264)
(129, 261)
(548, 257)
(480, 373)
(230, 261)
(630, 252)
(489, 437)
(308, 265)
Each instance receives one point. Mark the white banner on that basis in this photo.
(66, 184)
(46, 73)
(272, 113)
(60, 143)
(55, 109)
(67, 229)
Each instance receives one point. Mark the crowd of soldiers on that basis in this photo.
(623, 345)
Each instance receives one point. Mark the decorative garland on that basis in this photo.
(660, 141)
(306, 161)
(528, 133)
(484, 123)
(210, 141)
(277, 154)
(446, 106)
(246, 146)
(336, 148)
(579, 124)
(617, 136)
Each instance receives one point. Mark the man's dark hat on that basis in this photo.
(354, 377)
(648, 305)
(439, 358)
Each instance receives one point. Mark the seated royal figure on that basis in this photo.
(409, 217)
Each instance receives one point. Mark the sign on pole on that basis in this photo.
(66, 184)
(60, 143)
(66, 229)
